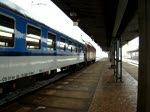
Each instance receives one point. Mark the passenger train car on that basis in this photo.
(90, 53)
(30, 49)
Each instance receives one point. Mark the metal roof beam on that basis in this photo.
(119, 16)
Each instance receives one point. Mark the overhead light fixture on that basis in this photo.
(73, 14)
(75, 23)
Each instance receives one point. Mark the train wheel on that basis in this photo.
(2, 89)
(53, 73)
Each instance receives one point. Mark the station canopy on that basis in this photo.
(103, 20)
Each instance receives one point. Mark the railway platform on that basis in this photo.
(92, 89)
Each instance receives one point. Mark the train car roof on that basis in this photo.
(6, 4)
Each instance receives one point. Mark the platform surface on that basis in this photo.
(115, 97)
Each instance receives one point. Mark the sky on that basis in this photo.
(131, 45)
(47, 12)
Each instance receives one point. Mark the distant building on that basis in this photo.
(133, 54)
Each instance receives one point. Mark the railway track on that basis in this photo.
(12, 96)
(73, 92)
(131, 69)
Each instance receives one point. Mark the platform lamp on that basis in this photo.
(75, 18)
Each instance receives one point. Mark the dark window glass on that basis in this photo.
(79, 48)
(75, 47)
(70, 45)
(62, 44)
(6, 31)
(33, 37)
(51, 42)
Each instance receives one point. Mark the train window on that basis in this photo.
(7, 25)
(79, 48)
(75, 47)
(70, 45)
(83, 49)
(51, 42)
(62, 44)
(33, 37)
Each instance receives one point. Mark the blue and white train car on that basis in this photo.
(28, 47)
